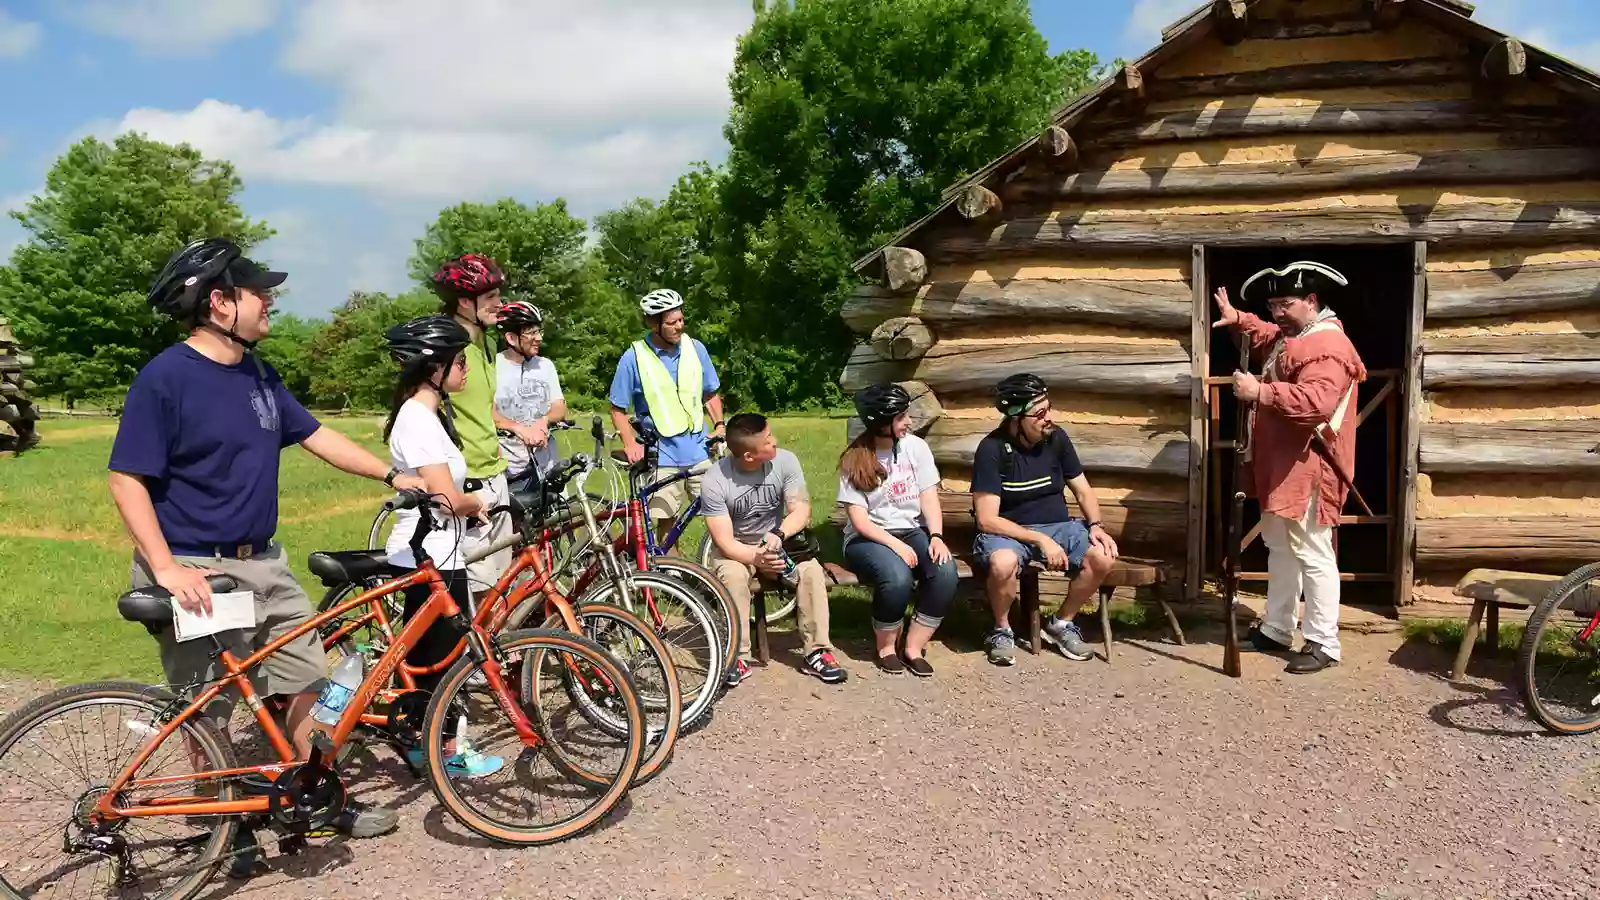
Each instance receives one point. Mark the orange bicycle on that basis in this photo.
(124, 789)
(515, 602)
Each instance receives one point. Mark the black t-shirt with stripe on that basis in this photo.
(1031, 481)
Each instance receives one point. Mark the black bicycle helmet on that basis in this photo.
(1015, 393)
(878, 404)
(427, 341)
(204, 265)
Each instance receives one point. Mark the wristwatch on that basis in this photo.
(779, 533)
(389, 478)
(935, 536)
(1093, 525)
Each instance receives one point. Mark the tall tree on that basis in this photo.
(352, 367)
(849, 117)
(108, 218)
(647, 245)
(541, 249)
(288, 348)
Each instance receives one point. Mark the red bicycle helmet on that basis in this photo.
(470, 275)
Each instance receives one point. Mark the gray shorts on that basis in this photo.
(298, 667)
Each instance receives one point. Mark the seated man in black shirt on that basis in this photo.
(1019, 477)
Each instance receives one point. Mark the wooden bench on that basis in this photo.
(1492, 590)
(1128, 572)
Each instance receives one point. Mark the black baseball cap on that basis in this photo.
(254, 276)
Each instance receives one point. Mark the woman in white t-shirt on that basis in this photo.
(889, 486)
(527, 392)
(423, 442)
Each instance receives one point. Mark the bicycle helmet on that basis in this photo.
(1016, 393)
(519, 315)
(426, 341)
(200, 267)
(659, 301)
(878, 404)
(469, 275)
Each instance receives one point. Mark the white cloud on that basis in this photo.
(571, 65)
(174, 27)
(17, 37)
(1145, 21)
(16, 202)
(409, 161)
(596, 101)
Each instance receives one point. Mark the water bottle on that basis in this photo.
(340, 688)
(790, 576)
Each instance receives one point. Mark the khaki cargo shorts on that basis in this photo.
(299, 666)
(674, 498)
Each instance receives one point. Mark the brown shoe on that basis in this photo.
(891, 665)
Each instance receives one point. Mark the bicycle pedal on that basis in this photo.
(291, 845)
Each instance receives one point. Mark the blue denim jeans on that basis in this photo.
(891, 580)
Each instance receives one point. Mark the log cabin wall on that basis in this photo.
(1292, 122)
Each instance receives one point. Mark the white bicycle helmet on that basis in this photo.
(659, 301)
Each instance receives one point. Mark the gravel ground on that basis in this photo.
(1152, 777)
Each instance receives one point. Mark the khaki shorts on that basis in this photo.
(674, 498)
(298, 667)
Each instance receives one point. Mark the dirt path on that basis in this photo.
(1152, 777)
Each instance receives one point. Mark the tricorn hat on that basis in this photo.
(1297, 279)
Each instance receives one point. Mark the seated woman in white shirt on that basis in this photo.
(527, 393)
(423, 442)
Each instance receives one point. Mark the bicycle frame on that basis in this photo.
(440, 604)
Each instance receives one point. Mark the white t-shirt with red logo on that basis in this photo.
(896, 504)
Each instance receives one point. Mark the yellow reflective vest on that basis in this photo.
(674, 408)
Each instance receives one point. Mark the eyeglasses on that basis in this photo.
(1040, 414)
(1284, 303)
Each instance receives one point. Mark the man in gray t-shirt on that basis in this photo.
(753, 500)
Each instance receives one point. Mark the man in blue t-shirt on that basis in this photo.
(194, 473)
(1020, 474)
(682, 423)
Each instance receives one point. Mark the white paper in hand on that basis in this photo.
(228, 612)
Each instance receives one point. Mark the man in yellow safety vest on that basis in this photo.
(673, 391)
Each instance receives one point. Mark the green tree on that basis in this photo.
(849, 118)
(541, 249)
(353, 369)
(647, 245)
(108, 218)
(288, 348)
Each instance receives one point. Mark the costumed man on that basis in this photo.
(1301, 428)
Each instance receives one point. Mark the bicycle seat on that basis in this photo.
(348, 566)
(152, 606)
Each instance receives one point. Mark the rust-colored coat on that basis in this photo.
(1303, 389)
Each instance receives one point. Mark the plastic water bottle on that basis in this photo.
(340, 688)
(790, 576)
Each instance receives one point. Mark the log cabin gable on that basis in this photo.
(1203, 84)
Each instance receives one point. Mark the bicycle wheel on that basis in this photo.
(1559, 665)
(58, 757)
(581, 770)
(634, 644)
(775, 614)
(684, 623)
(730, 631)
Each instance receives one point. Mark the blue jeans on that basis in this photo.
(891, 580)
(1071, 535)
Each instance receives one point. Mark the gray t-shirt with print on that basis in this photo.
(755, 501)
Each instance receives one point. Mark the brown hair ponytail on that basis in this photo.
(858, 464)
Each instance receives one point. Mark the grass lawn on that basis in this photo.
(65, 558)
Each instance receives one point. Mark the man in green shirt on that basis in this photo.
(469, 287)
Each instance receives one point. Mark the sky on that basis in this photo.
(353, 122)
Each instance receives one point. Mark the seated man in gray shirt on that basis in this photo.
(753, 500)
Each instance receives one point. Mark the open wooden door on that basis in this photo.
(1199, 419)
(1410, 431)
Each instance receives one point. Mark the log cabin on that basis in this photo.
(1449, 170)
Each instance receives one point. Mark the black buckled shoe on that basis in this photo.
(1257, 641)
(1311, 658)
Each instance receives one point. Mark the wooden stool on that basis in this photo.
(758, 611)
(1490, 590)
(1131, 572)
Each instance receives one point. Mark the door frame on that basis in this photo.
(1407, 393)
